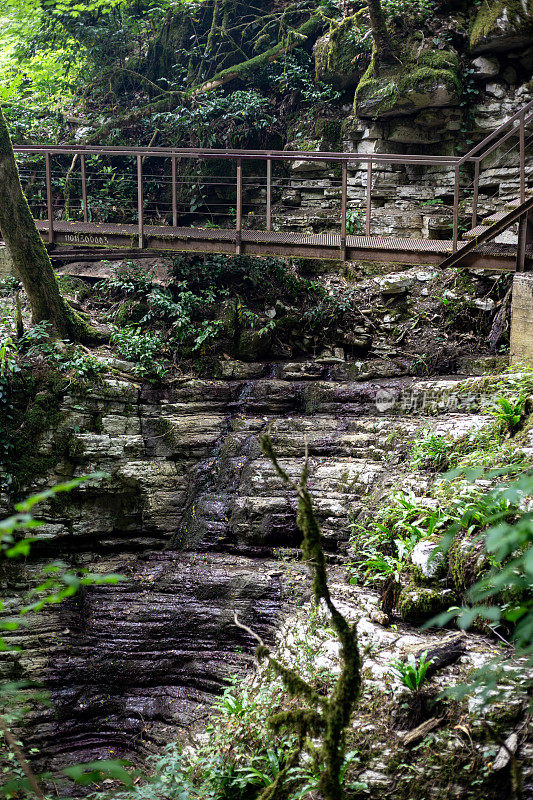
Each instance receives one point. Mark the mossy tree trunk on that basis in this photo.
(383, 48)
(29, 255)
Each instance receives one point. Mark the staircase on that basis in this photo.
(517, 212)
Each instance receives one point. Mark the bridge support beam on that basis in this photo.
(521, 351)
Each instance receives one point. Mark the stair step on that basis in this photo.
(512, 204)
(494, 217)
(484, 224)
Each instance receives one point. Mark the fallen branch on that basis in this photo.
(448, 652)
(326, 717)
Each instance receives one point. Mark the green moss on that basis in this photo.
(130, 311)
(165, 430)
(417, 603)
(409, 87)
(335, 54)
(329, 130)
(487, 22)
(254, 345)
(466, 561)
(36, 410)
(246, 68)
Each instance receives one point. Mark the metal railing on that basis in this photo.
(515, 126)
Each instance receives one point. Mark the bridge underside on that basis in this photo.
(494, 257)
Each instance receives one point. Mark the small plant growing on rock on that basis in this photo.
(411, 673)
(509, 412)
(432, 452)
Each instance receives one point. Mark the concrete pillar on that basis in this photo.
(6, 265)
(521, 350)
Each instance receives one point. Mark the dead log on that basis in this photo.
(419, 733)
(447, 652)
(500, 323)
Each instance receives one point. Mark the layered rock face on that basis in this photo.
(194, 518)
(132, 666)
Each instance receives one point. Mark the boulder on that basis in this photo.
(496, 90)
(335, 54)
(418, 603)
(502, 25)
(427, 557)
(429, 82)
(485, 67)
(396, 284)
(254, 345)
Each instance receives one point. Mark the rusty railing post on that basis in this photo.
(269, 195)
(49, 208)
(344, 203)
(140, 201)
(522, 157)
(84, 189)
(238, 221)
(174, 193)
(476, 192)
(455, 234)
(368, 196)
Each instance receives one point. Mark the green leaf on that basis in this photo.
(95, 771)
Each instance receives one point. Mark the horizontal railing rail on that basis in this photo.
(279, 155)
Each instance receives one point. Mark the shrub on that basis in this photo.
(432, 452)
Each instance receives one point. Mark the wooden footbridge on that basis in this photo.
(225, 201)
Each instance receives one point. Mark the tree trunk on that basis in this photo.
(382, 42)
(29, 255)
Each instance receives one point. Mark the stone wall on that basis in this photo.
(521, 348)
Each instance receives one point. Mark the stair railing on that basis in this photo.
(477, 154)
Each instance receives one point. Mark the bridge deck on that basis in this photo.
(276, 243)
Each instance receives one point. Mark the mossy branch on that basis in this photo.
(327, 717)
(309, 29)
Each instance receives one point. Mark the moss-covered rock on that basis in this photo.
(336, 53)
(467, 560)
(130, 311)
(417, 603)
(501, 25)
(430, 81)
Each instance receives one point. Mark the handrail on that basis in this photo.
(510, 133)
(474, 155)
(495, 134)
(198, 152)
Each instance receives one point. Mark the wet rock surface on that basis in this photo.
(133, 665)
(194, 517)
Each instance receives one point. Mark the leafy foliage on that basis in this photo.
(412, 673)
(509, 412)
(431, 451)
(502, 596)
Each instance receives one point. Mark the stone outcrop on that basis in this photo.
(431, 81)
(502, 25)
(336, 54)
(132, 666)
(193, 516)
